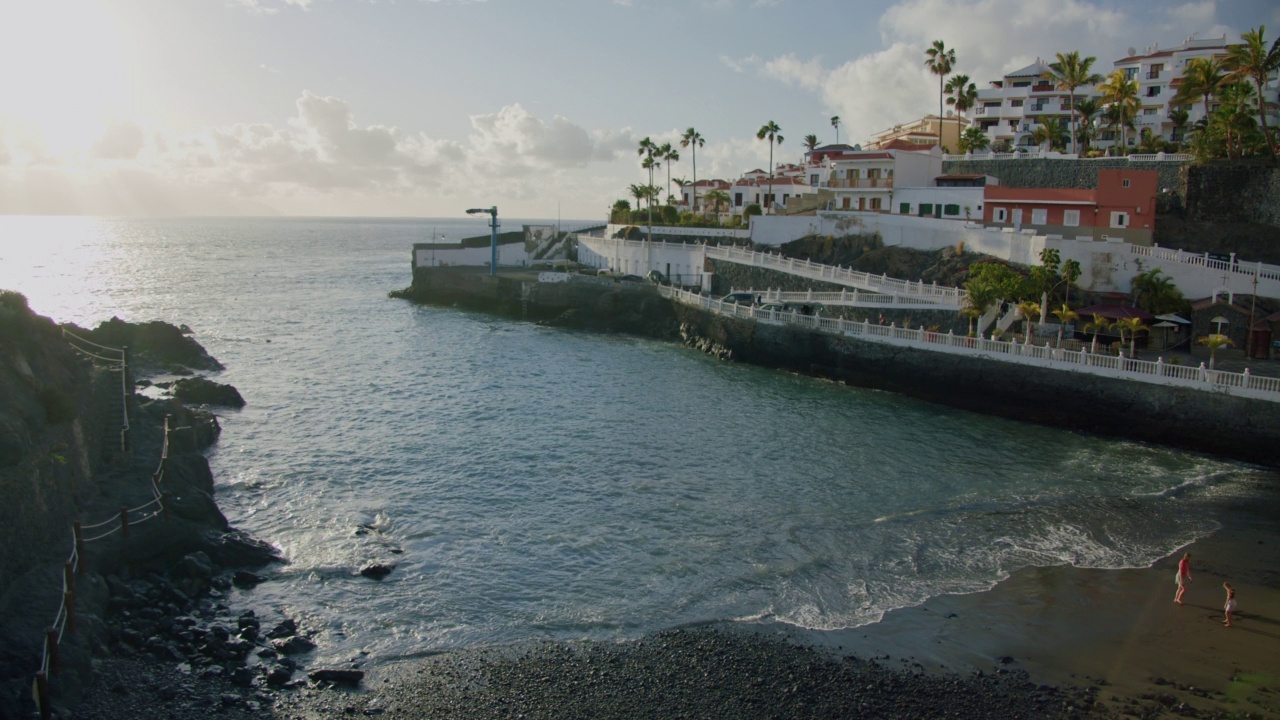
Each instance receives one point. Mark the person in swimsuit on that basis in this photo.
(1230, 607)
(1183, 577)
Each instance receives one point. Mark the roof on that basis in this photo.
(999, 193)
(900, 143)
(864, 155)
(954, 176)
(1115, 312)
(1217, 300)
(1035, 69)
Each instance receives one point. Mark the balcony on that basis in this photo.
(862, 183)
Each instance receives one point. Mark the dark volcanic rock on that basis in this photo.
(153, 344)
(376, 571)
(207, 392)
(346, 677)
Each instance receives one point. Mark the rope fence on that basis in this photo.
(64, 620)
(119, 362)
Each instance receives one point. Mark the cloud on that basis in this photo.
(788, 68)
(122, 141)
(513, 134)
(741, 65)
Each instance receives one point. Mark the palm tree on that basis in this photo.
(1087, 109)
(639, 192)
(1029, 312)
(1047, 132)
(771, 131)
(693, 139)
(1253, 60)
(1179, 117)
(1071, 72)
(1202, 77)
(1095, 326)
(1122, 94)
(1214, 342)
(621, 208)
(1155, 292)
(1236, 116)
(961, 94)
(668, 155)
(980, 298)
(810, 142)
(1065, 315)
(649, 151)
(680, 183)
(1134, 325)
(835, 123)
(1070, 273)
(940, 62)
(973, 139)
(1149, 141)
(717, 198)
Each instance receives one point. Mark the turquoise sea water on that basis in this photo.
(538, 483)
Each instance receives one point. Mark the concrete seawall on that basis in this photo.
(1208, 422)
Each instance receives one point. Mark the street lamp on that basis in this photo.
(493, 247)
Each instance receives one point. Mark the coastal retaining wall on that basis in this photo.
(1203, 421)
(1064, 172)
(1233, 193)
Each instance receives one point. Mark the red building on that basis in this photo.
(1122, 207)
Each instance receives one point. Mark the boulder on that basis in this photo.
(344, 677)
(376, 571)
(200, 390)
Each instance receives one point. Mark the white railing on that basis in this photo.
(1261, 270)
(852, 298)
(882, 284)
(1034, 154)
(1158, 372)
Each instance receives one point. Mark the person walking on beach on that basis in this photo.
(1230, 607)
(1183, 577)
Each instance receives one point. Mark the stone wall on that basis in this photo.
(1062, 173)
(1233, 193)
(1202, 421)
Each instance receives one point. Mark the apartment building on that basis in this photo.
(1121, 208)
(1014, 105)
(921, 134)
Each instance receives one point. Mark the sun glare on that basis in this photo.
(62, 71)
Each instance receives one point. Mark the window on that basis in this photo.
(844, 203)
(737, 199)
(1149, 111)
(991, 104)
(1071, 218)
(875, 203)
(926, 209)
(1039, 216)
(813, 180)
(1153, 91)
(1001, 215)
(904, 208)
(1125, 182)
(1130, 73)
(1015, 103)
(1119, 219)
(951, 210)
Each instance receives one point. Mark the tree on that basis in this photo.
(1202, 77)
(810, 142)
(977, 301)
(1065, 316)
(1087, 109)
(1049, 133)
(693, 139)
(1003, 281)
(1071, 72)
(973, 139)
(621, 209)
(771, 131)
(1133, 325)
(940, 62)
(668, 155)
(1070, 273)
(1253, 60)
(649, 151)
(1155, 292)
(1179, 117)
(961, 94)
(639, 192)
(835, 123)
(1214, 342)
(1095, 326)
(680, 183)
(1122, 94)
(1029, 311)
(718, 198)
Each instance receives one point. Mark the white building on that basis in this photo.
(865, 179)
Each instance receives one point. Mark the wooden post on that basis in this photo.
(69, 576)
(79, 536)
(124, 522)
(51, 647)
(69, 601)
(42, 695)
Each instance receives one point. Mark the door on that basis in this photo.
(862, 203)
(1017, 218)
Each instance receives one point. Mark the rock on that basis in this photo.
(376, 571)
(279, 675)
(245, 579)
(344, 677)
(294, 645)
(286, 628)
(204, 391)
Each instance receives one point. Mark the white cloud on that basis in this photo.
(740, 65)
(788, 68)
(514, 134)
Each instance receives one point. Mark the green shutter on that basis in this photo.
(926, 209)
(904, 209)
(951, 210)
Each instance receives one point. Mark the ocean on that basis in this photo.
(536, 483)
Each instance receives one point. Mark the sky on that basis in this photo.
(424, 108)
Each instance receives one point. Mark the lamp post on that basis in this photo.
(493, 247)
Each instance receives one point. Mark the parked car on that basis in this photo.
(631, 278)
(657, 278)
(741, 298)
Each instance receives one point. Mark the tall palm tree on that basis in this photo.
(1048, 132)
(771, 131)
(1214, 342)
(1122, 94)
(1178, 116)
(810, 142)
(1202, 77)
(1065, 315)
(693, 139)
(639, 192)
(961, 94)
(1087, 109)
(1071, 72)
(941, 61)
(1253, 60)
(1095, 326)
(973, 139)
(835, 123)
(668, 155)
(1029, 312)
(1155, 292)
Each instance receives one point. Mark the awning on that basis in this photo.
(1172, 319)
